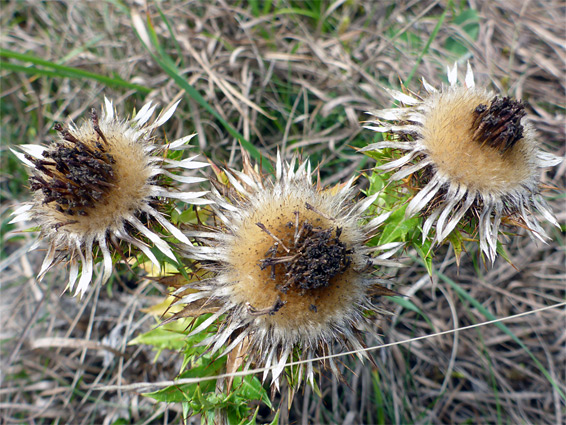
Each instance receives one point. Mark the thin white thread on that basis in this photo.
(183, 381)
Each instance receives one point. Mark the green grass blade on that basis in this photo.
(172, 34)
(379, 399)
(427, 45)
(57, 70)
(297, 11)
(409, 305)
(32, 70)
(76, 51)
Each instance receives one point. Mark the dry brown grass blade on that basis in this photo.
(72, 343)
(230, 92)
(234, 360)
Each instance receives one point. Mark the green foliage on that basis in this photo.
(398, 228)
(194, 392)
(173, 336)
(468, 21)
(201, 396)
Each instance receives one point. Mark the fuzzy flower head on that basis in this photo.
(473, 154)
(288, 266)
(100, 183)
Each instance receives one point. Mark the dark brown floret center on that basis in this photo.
(319, 257)
(499, 125)
(76, 175)
(315, 256)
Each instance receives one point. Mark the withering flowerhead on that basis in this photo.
(100, 183)
(472, 153)
(288, 267)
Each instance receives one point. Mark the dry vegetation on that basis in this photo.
(299, 83)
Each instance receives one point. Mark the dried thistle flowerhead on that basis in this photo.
(97, 184)
(472, 154)
(289, 268)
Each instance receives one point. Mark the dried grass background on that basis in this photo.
(285, 80)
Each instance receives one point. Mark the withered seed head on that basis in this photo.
(313, 260)
(96, 184)
(77, 174)
(290, 268)
(480, 157)
(499, 125)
